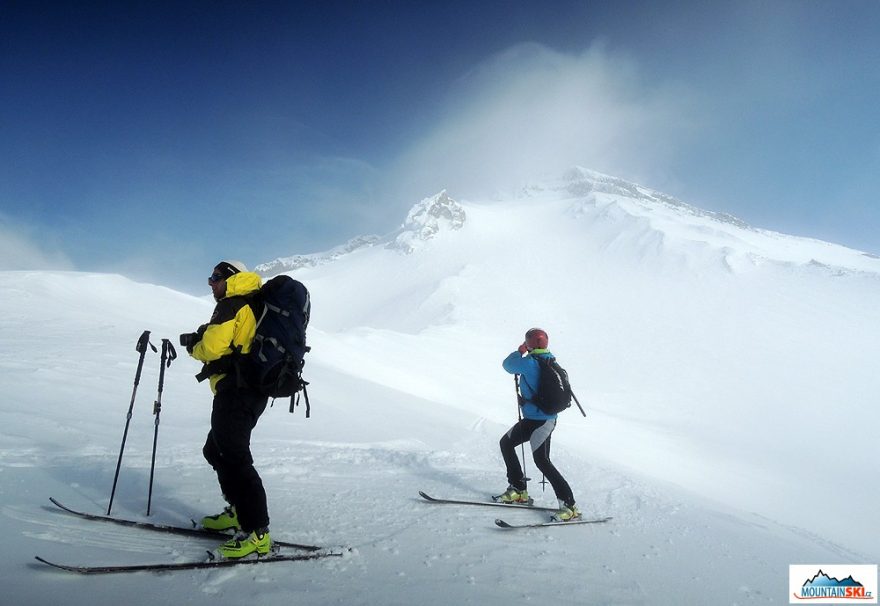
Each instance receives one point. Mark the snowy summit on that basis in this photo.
(427, 219)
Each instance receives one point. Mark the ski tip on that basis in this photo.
(426, 496)
(48, 563)
(62, 506)
(502, 524)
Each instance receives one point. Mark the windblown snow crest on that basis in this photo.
(584, 183)
(295, 262)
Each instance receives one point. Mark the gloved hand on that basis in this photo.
(189, 340)
(522, 349)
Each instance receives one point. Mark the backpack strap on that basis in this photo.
(305, 394)
(225, 365)
(220, 366)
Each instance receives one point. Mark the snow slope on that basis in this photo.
(724, 369)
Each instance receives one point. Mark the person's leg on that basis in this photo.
(540, 443)
(509, 441)
(228, 450)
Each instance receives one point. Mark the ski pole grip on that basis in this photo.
(143, 341)
(168, 352)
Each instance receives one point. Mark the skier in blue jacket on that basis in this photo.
(535, 427)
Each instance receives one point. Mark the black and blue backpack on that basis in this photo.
(553, 394)
(275, 361)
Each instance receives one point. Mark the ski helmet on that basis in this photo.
(230, 268)
(536, 338)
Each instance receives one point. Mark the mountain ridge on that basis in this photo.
(595, 198)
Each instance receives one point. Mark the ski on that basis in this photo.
(431, 499)
(192, 565)
(503, 524)
(195, 531)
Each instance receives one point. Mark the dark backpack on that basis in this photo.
(282, 308)
(553, 394)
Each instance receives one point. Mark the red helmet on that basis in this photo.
(536, 338)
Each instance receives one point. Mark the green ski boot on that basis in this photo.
(243, 544)
(514, 495)
(224, 520)
(566, 513)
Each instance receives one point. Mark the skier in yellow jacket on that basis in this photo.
(236, 409)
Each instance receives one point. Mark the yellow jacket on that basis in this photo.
(232, 324)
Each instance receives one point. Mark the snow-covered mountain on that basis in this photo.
(725, 371)
(292, 263)
(596, 198)
(425, 220)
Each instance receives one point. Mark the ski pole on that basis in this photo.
(574, 397)
(522, 445)
(546, 454)
(141, 347)
(168, 355)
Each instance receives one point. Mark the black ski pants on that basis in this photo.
(537, 433)
(228, 450)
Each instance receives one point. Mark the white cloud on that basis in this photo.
(21, 248)
(531, 110)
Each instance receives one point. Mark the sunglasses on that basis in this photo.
(215, 277)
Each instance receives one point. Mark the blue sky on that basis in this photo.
(154, 138)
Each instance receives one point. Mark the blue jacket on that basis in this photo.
(529, 375)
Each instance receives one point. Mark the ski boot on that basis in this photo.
(566, 512)
(224, 520)
(244, 543)
(514, 495)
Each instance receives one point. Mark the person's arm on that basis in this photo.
(515, 363)
(217, 340)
